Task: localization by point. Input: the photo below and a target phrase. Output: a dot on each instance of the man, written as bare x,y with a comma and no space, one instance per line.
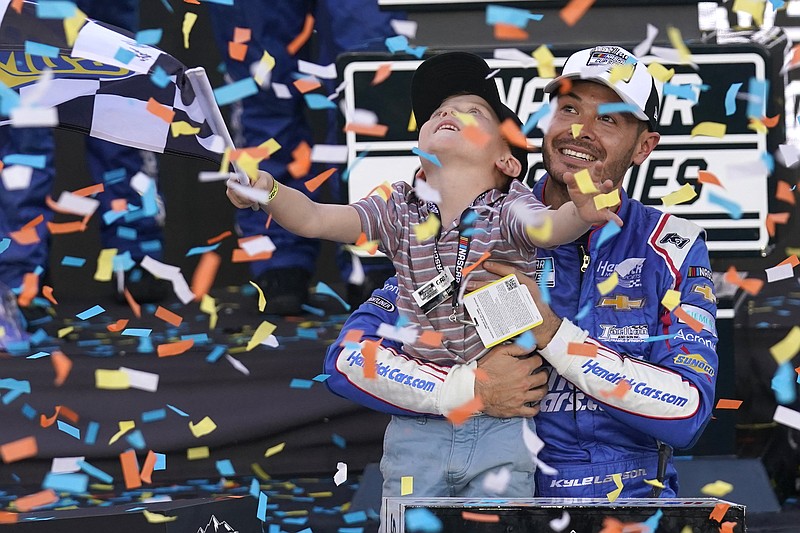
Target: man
650,384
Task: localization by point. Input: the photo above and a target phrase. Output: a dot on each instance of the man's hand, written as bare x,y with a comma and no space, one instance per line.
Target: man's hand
512,384
584,202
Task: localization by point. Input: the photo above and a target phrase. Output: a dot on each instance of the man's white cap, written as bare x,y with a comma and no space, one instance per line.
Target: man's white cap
638,88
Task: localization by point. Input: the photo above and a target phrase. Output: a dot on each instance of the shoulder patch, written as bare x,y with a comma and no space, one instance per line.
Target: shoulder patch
672,239
381,302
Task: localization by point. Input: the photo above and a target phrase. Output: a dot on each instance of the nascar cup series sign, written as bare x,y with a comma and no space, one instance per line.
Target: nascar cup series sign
737,159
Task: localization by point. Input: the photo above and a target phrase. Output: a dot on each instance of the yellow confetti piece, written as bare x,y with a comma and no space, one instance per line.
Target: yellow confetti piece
465,118
545,62
406,485
182,128
226,161
263,331
72,26
608,284
111,379
204,427
682,195
188,23
620,73
105,264
655,483
101,487
429,228
124,427
709,129
614,494
754,8
262,300
788,347
200,452
325,494
676,40
278,448
585,182
718,489
155,518
671,299
412,122
789,251
265,66
208,305
609,199
63,332
687,529
258,471
660,72
271,145
576,130
249,165
541,233
757,126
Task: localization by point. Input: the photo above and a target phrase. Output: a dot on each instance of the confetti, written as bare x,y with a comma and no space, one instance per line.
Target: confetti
406,485
709,129
18,450
168,316
608,285
787,348
574,11
682,195
263,331
460,414
671,299
728,404
278,448
156,518
614,494
480,517
582,348
609,199
204,427
174,348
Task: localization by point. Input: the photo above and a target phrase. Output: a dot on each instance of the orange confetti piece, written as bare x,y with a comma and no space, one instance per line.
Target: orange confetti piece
719,511
727,527
119,205
619,391
147,468
352,336
460,414
133,304
90,190
775,218
63,228
301,39
168,316
582,348
240,256
62,366
431,338
205,274
784,192
237,51
792,260
369,350
480,517
34,222
174,348
8,518
728,404
691,322
17,5
220,237
513,134
61,410
465,272
25,236
242,35
705,177
20,449
564,86
256,152
130,470
362,239
476,136
381,74
509,32
750,285
32,501
306,85
314,183
193,2
30,288
119,325
771,122
47,292
574,11
301,161
161,111
371,130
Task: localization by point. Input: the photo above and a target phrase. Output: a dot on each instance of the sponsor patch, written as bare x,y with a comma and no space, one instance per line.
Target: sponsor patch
541,264
699,272
707,291
698,313
690,336
631,333
629,271
381,302
696,362
674,239
620,302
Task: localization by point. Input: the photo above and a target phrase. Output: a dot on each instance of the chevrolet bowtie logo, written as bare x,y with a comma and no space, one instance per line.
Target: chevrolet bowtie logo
706,291
620,302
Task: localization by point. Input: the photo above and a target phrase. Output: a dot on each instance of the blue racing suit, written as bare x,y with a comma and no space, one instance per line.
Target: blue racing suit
592,428
110,164
341,25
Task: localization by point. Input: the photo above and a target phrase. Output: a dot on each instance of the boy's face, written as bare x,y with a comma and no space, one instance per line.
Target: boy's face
615,139
443,132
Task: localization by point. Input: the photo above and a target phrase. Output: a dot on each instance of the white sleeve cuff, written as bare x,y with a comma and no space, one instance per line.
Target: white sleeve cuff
556,351
458,388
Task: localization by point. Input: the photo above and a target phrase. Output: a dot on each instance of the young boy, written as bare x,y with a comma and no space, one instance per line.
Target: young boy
482,208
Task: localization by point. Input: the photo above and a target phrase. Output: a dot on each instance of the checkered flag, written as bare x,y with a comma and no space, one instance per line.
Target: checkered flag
107,85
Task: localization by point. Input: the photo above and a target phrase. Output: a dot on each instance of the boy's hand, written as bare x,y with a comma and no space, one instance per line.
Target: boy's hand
584,202
243,198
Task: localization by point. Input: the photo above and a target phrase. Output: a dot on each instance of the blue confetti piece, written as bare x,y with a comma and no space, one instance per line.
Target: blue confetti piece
113,176
730,98
69,429
395,44
360,157
298,521
350,530
154,415
776,4
168,6
91,312
274,528
29,412
318,101
124,55
682,92
136,332
526,340
199,250
298,383
339,441
136,439
220,2
38,355
322,288
149,37
161,462
616,107
319,378
416,51
55,9
355,516
150,246
33,161
129,234
430,157
583,311
769,161
71,261
757,101
543,288
733,209
652,522
421,519
655,338
145,345
91,433
160,78
509,15
180,412
254,488
225,467
123,262
534,119
4,244
783,384
609,230
215,354
313,310
33,48
307,333
109,217
198,338
261,512
227,94
95,472
67,482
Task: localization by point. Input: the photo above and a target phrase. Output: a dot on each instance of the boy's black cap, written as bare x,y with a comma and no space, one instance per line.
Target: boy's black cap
444,75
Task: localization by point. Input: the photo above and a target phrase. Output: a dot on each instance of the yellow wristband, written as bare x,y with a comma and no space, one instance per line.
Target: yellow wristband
274,192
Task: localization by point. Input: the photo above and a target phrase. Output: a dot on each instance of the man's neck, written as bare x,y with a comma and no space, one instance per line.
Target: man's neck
555,193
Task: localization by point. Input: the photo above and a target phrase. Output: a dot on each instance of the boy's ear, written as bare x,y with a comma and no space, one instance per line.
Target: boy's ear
509,165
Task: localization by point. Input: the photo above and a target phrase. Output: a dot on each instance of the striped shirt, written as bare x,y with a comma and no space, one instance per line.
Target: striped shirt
498,229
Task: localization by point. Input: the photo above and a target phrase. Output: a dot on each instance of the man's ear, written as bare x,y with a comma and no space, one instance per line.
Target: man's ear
420,174
509,165
647,142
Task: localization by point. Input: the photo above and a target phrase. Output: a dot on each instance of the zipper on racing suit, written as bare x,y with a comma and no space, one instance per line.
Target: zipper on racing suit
585,260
